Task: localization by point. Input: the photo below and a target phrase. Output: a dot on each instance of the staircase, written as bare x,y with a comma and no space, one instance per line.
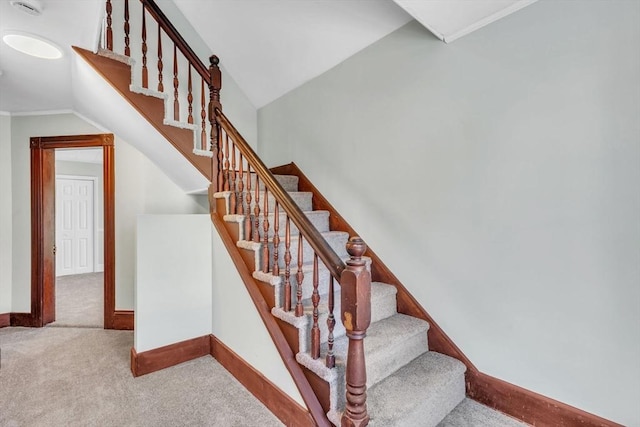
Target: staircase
408,385
298,255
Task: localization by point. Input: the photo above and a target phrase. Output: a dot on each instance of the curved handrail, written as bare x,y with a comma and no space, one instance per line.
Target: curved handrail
328,256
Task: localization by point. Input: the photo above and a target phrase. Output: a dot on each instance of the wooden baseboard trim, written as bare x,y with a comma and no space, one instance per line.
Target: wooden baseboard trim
169,355
123,320
23,319
528,406
290,412
5,320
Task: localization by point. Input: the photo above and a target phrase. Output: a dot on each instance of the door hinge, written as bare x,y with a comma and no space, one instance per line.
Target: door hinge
54,249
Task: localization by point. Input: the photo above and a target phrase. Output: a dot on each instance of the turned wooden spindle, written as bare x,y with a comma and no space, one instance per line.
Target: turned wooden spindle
276,240
145,71
160,65
203,118
247,221
331,323
176,83
233,199
287,265
127,50
299,279
315,299
226,164
355,282
109,10
265,233
240,187
189,98
256,213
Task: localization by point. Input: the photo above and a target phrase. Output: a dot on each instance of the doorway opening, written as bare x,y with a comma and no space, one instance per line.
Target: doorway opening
43,241
79,237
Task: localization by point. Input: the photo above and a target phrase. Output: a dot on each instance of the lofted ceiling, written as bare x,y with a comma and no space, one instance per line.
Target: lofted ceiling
269,46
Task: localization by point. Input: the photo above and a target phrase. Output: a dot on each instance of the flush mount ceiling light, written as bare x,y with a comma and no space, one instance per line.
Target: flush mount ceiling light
32,7
32,45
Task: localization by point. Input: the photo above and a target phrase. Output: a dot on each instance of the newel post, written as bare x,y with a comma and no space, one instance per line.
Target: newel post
215,84
355,283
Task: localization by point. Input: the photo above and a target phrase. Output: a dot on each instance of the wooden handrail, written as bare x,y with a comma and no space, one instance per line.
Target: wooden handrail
328,256
177,39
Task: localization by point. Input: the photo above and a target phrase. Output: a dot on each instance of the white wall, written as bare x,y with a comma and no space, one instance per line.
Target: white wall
497,177
64,167
140,188
5,213
173,279
235,103
238,325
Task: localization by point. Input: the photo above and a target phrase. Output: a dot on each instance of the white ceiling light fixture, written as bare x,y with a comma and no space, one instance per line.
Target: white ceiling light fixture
32,7
32,44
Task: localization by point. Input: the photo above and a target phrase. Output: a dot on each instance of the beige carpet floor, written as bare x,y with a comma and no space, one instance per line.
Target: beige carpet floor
80,300
81,377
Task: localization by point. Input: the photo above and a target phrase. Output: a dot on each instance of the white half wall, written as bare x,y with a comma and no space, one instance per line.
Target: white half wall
238,325
173,279
497,177
5,214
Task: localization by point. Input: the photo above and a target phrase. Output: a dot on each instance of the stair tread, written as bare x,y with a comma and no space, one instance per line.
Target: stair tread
471,413
423,391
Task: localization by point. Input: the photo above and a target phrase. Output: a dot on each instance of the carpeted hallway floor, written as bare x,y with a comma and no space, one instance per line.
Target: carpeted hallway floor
80,300
81,377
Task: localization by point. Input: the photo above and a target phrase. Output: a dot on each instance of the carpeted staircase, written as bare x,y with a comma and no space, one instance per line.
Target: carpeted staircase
408,385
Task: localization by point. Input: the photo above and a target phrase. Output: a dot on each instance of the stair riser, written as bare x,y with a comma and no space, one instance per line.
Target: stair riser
381,308
337,241
319,219
303,200
288,182
382,364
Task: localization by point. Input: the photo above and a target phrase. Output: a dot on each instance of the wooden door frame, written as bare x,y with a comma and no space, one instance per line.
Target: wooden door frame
121,319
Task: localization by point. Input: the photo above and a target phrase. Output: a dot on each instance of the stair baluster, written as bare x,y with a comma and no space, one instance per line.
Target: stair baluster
145,72
247,220
265,231
127,50
240,185
231,178
315,299
355,283
287,265
276,239
256,214
226,163
176,83
203,118
299,278
189,98
109,11
160,65
331,323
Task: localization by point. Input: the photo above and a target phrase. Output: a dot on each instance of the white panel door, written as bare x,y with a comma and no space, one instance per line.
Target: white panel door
74,226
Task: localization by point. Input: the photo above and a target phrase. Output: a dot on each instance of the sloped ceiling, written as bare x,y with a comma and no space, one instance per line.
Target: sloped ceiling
269,46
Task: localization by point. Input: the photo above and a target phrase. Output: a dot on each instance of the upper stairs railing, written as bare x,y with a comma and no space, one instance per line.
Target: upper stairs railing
237,172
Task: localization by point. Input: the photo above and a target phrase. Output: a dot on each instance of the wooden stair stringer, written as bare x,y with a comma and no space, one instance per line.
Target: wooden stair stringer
281,337
118,75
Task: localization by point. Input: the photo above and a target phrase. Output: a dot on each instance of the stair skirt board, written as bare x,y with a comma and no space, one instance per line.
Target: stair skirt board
405,362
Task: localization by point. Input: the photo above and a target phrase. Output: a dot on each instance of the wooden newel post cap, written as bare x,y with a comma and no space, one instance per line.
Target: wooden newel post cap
356,247
355,282
214,60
